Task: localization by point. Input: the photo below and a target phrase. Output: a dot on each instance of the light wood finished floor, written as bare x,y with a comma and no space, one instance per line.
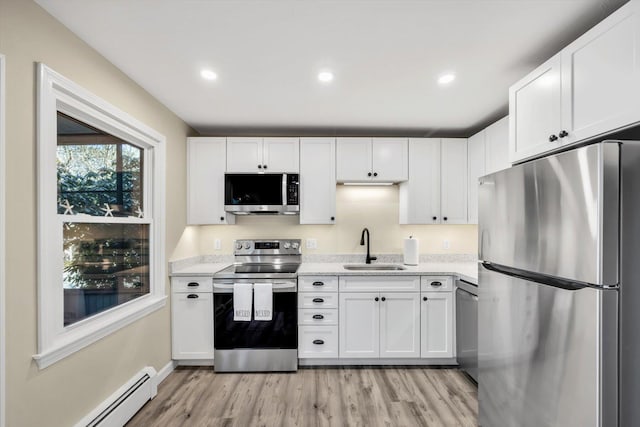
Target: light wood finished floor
365,397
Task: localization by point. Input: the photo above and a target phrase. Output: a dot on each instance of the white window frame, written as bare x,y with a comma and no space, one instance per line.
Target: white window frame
57,93
2,244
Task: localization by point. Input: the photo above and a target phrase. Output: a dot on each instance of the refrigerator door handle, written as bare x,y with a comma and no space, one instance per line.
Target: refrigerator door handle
543,279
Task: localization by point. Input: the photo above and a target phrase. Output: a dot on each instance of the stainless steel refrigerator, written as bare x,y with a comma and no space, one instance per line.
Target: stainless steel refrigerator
559,290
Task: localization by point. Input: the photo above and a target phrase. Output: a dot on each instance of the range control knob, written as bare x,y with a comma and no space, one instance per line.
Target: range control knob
238,245
295,245
247,245
286,245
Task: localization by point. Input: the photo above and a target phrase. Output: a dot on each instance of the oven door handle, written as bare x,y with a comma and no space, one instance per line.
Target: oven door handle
227,288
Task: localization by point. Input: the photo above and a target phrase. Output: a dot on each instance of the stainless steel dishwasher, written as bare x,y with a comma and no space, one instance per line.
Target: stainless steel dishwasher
467,327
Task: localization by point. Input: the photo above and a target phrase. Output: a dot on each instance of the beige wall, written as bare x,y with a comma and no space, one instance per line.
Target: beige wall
63,393
356,207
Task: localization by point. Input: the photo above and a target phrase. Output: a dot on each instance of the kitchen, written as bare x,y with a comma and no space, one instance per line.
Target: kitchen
72,387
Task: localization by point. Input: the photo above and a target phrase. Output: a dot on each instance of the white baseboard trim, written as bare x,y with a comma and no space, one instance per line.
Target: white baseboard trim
165,371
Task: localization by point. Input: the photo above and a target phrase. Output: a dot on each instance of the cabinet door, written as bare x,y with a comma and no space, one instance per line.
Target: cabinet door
192,325
436,327
420,196
453,196
476,169
317,180
390,161
601,76
359,324
281,155
206,160
535,105
399,324
497,146
244,154
353,159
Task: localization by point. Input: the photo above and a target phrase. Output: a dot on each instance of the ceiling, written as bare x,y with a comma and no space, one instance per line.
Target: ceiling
386,56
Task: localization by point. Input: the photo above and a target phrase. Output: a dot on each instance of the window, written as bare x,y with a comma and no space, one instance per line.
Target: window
101,193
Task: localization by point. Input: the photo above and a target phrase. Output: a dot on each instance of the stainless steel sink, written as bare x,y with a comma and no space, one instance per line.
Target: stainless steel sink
374,267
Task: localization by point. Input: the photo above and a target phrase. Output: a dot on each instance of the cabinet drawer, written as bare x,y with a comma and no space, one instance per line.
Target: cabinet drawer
318,300
310,316
436,283
318,283
317,342
380,283
192,284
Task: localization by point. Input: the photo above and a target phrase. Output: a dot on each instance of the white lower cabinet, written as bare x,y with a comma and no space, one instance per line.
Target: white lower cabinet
360,324
400,324
379,324
436,315
318,317
192,319
317,342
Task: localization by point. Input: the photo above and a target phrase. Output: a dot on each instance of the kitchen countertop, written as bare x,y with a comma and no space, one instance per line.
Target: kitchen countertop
467,271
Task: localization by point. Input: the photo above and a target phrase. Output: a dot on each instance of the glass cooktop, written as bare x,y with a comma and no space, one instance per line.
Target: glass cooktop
261,269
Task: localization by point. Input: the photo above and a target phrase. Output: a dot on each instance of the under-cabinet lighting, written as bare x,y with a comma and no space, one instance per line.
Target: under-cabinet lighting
368,183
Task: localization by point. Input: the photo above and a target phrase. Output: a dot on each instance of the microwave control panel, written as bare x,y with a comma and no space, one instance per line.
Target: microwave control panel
292,188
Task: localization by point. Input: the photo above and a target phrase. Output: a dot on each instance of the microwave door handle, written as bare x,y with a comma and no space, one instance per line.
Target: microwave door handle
284,189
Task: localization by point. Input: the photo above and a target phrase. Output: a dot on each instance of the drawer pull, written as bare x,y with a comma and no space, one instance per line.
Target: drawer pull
192,296
318,283
318,342
193,284
436,284
318,300
318,316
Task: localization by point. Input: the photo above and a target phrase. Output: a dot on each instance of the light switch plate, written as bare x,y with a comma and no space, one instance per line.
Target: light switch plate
312,244
446,244
217,244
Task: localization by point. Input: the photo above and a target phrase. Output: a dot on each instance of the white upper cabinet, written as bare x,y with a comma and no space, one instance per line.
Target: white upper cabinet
497,146
206,159
453,194
390,159
317,180
281,154
249,154
601,76
535,106
372,159
420,195
476,161
590,88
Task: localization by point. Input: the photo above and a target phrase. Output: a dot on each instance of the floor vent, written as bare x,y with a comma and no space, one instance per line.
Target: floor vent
124,403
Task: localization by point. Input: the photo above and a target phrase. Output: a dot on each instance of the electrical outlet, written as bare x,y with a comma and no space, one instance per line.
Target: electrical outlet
312,244
217,244
446,244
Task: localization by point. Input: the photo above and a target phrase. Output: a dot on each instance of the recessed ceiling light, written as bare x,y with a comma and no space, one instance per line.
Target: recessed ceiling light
325,76
445,79
208,75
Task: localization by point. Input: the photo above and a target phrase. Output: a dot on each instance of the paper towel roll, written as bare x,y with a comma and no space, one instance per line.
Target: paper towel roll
411,251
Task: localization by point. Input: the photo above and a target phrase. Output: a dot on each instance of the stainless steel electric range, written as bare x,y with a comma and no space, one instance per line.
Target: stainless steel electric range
258,345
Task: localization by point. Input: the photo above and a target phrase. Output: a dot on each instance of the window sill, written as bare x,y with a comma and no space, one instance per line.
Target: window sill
93,331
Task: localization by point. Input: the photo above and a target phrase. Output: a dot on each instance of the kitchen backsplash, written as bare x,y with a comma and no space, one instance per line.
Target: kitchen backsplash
357,207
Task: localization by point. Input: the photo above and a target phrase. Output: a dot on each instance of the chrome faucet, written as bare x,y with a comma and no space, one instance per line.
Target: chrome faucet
369,257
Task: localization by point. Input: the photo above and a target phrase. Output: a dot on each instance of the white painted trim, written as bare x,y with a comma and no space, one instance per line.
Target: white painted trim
165,371
115,395
57,93
199,362
2,244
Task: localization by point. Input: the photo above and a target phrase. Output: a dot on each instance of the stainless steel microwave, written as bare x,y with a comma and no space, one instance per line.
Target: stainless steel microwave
262,193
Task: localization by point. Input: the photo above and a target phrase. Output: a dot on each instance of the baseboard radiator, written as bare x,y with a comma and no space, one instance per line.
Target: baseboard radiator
118,408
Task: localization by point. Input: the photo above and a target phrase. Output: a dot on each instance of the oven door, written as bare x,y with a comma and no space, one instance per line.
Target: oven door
279,333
